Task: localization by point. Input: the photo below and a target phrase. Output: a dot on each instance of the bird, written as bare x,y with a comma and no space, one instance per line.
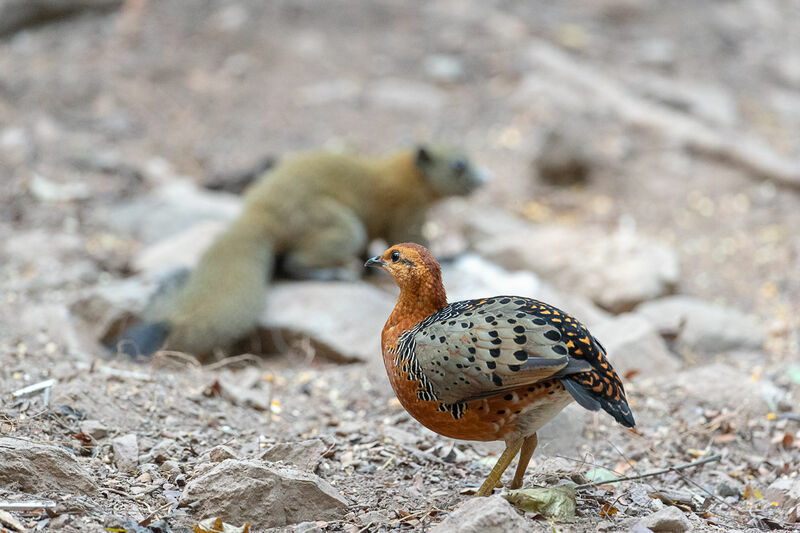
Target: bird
488,369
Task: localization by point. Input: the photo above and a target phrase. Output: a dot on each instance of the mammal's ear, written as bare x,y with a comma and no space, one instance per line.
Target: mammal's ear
423,156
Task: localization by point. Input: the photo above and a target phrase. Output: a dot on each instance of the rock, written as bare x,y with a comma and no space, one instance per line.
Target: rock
374,518
220,453
244,388
126,452
400,436
564,158
46,190
181,250
701,328
328,323
633,343
483,515
32,468
101,312
405,95
719,384
616,271
305,455
16,144
784,490
472,276
94,428
309,527
169,210
669,520
263,494
444,68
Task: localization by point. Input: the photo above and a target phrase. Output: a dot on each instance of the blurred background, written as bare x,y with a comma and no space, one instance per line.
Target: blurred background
646,163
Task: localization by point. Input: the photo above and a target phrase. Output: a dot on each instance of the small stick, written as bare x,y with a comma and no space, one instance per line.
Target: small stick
27,505
120,373
36,387
233,360
710,459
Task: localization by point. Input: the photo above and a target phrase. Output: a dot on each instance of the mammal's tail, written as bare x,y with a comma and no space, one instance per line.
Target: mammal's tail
220,303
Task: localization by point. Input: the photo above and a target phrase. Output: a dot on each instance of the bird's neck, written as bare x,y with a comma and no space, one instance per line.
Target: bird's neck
416,302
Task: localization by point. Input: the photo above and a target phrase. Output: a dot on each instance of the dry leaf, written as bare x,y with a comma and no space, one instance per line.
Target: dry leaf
750,493
554,503
216,525
607,510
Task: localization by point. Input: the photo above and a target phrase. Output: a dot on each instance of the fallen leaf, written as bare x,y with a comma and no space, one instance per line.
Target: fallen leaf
607,510
216,525
554,503
751,493
599,475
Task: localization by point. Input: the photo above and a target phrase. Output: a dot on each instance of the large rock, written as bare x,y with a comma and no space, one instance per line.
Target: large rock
617,271
720,385
702,328
170,210
126,452
668,520
37,468
305,454
182,250
263,494
483,515
785,491
343,320
472,276
633,344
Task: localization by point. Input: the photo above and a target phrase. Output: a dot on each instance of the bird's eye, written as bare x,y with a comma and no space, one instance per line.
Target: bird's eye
395,256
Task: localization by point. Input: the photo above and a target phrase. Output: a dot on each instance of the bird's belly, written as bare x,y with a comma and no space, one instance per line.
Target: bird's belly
520,412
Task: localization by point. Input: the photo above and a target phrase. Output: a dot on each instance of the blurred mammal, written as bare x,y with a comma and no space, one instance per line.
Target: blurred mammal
312,216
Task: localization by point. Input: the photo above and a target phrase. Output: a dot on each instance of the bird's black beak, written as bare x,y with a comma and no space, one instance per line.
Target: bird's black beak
375,262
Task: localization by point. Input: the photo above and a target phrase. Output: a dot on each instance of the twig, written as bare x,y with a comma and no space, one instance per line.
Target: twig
149,518
710,459
36,387
27,505
233,360
164,355
120,373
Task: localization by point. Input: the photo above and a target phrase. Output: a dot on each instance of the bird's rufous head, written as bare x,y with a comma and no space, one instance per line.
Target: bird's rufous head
412,266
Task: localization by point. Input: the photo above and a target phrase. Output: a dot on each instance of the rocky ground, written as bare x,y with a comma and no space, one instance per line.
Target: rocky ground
646,178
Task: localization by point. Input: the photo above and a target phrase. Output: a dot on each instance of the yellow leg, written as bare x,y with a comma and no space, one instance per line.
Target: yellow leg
528,446
502,463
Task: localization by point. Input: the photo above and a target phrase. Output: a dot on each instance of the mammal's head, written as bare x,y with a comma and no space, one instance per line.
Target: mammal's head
448,171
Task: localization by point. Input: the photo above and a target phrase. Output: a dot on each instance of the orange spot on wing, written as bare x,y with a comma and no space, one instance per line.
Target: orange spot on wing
585,340
570,344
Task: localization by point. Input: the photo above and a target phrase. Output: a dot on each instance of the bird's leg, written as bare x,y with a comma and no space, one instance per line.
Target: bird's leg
528,446
505,459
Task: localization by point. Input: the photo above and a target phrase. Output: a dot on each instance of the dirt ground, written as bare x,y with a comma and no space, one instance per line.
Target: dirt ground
101,108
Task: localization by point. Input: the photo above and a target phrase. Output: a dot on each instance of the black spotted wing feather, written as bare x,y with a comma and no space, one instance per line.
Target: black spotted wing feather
478,348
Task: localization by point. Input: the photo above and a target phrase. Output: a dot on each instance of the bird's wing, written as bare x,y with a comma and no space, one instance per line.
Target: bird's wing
478,348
